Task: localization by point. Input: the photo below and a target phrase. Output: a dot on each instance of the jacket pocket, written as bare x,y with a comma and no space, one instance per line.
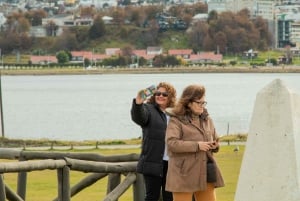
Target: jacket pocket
185,165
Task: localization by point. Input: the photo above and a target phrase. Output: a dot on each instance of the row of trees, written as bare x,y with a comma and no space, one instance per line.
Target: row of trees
226,32
64,57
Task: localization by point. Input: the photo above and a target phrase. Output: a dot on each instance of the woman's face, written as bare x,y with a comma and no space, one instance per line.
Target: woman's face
197,106
161,97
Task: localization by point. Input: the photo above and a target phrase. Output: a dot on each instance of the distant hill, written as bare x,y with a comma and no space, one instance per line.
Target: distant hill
120,37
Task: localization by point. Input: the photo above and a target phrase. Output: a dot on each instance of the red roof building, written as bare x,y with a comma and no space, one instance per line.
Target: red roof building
205,57
183,53
43,59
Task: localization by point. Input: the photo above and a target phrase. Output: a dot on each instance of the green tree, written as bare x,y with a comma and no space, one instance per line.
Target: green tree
62,57
97,30
212,16
87,62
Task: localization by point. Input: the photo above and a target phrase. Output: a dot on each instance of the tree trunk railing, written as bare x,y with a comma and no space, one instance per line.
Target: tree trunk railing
100,166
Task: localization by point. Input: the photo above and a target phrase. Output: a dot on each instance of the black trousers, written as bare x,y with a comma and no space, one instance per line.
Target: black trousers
156,186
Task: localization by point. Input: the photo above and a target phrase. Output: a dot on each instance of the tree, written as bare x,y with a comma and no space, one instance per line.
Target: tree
62,57
51,28
158,61
197,35
150,37
208,44
239,40
118,16
81,34
220,41
66,41
212,16
97,30
127,51
35,17
266,38
86,62
87,12
17,23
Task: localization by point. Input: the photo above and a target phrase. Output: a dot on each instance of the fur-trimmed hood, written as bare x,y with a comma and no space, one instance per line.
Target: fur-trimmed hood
185,118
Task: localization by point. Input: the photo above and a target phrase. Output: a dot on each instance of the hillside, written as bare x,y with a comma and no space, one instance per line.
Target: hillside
116,36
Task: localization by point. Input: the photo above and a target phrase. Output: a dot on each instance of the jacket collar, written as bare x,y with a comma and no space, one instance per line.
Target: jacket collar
185,118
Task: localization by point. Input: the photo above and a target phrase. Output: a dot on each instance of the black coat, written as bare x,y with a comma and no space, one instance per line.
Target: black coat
154,123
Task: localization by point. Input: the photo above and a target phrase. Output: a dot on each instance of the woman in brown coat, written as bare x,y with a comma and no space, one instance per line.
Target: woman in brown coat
191,140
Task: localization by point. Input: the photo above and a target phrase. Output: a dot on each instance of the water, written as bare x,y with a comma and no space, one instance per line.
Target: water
97,107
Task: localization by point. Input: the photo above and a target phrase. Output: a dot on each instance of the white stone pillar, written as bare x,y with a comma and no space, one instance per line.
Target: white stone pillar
270,168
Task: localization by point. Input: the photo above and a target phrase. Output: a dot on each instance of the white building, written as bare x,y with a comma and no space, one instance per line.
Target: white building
2,19
99,3
220,5
263,8
295,33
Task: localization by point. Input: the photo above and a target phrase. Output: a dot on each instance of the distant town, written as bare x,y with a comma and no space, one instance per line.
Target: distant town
30,21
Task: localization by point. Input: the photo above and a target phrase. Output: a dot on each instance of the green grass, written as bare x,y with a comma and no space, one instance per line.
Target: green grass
42,185
229,163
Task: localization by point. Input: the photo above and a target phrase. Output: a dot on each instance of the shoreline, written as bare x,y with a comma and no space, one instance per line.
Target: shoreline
80,71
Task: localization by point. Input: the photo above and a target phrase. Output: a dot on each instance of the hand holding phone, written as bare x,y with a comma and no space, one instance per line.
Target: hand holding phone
149,91
215,144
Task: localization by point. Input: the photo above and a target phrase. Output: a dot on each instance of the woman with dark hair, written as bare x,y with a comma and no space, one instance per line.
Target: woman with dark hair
191,140
150,115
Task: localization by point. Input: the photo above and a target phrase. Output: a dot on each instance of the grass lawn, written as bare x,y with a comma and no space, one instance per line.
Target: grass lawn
42,185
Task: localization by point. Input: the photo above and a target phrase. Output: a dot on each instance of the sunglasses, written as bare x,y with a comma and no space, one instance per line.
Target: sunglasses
164,94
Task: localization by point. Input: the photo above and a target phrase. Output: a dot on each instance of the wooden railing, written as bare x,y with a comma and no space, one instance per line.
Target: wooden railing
100,166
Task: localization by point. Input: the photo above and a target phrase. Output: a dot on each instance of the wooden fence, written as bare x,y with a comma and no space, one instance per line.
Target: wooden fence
100,166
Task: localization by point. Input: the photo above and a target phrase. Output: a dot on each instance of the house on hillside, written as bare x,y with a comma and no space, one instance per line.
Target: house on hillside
250,54
80,56
154,50
205,57
143,53
107,19
199,17
113,51
43,60
181,53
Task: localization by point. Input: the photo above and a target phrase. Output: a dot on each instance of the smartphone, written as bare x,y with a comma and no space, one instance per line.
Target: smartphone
149,91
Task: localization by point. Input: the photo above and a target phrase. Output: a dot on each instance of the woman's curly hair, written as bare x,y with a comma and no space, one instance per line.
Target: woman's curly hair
171,93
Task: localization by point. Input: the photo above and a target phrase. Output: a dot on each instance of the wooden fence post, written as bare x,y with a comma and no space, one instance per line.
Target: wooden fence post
120,189
2,189
22,182
114,180
138,188
63,175
98,164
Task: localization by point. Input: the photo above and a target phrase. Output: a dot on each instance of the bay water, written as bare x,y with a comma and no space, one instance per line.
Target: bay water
97,107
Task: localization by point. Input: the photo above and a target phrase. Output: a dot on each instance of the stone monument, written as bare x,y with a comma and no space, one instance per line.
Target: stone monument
270,169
